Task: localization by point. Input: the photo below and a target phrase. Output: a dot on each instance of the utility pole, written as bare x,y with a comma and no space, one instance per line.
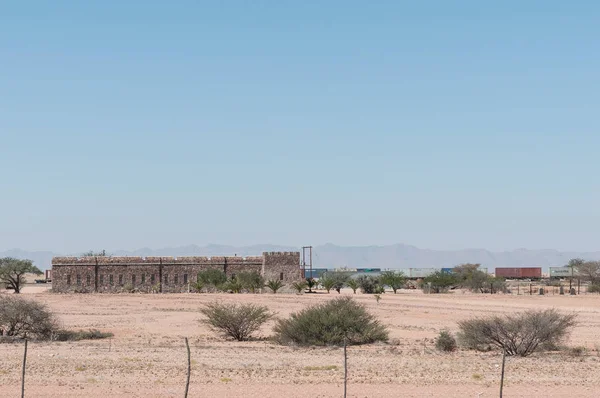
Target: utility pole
309,249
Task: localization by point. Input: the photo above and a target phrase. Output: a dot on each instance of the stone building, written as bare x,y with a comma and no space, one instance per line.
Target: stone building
163,274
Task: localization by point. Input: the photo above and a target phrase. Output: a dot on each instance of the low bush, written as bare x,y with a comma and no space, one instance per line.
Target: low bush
445,341
352,284
299,286
251,281
368,284
331,323
274,285
73,335
519,334
594,288
211,279
238,321
327,283
25,318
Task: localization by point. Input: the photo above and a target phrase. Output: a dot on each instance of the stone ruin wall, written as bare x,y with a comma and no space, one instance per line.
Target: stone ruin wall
162,274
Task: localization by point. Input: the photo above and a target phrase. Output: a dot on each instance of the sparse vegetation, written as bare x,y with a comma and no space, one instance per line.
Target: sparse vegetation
13,270
299,286
238,321
310,284
520,334
327,283
274,285
72,335
352,284
445,341
251,281
594,288
25,318
395,280
368,284
331,323
438,282
212,279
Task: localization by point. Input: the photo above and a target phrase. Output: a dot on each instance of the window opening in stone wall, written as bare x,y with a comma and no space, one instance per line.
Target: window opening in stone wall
110,279
88,280
143,278
78,280
68,280
121,279
176,279
166,279
281,276
102,279
152,279
133,280
185,280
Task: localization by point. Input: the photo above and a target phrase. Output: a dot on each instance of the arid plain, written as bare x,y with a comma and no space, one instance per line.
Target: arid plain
147,355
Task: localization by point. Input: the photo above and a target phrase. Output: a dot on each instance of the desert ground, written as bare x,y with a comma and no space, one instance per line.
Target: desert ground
147,355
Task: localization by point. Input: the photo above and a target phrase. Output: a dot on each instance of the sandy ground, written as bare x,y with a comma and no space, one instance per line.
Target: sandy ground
147,356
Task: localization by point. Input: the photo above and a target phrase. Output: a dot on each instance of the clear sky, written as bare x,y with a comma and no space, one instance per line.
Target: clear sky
443,124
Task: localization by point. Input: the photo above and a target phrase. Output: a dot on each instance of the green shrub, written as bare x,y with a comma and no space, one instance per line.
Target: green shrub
519,334
439,282
25,318
337,280
368,284
251,281
274,285
233,285
445,341
238,321
211,279
395,280
331,323
594,288
299,286
310,283
352,284
327,283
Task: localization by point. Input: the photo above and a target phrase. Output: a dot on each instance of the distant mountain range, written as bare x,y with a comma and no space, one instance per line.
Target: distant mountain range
331,256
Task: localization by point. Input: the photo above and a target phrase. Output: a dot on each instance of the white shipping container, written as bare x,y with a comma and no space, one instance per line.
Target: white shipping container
561,272
422,272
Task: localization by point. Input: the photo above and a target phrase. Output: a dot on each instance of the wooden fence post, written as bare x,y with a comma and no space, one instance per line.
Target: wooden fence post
23,374
502,376
345,368
189,368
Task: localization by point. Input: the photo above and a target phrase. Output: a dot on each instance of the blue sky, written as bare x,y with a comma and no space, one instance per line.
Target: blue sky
446,125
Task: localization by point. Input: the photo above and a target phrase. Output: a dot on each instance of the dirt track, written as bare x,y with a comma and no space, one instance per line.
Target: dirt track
146,358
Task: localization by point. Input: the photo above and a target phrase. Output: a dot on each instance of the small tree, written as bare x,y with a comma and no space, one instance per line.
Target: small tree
368,284
310,283
440,282
395,280
251,281
274,285
212,279
13,270
24,318
299,286
589,270
339,278
238,321
331,323
519,334
327,283
352,284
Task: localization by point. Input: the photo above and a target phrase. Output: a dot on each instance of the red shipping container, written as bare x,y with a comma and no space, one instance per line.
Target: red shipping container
514,272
